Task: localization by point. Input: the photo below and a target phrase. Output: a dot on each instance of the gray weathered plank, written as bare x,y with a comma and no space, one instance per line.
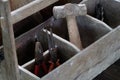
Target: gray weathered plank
29,9
18,3
91,61
11,65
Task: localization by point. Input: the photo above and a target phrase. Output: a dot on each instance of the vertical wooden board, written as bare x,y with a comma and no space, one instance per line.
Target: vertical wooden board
11,66
91,61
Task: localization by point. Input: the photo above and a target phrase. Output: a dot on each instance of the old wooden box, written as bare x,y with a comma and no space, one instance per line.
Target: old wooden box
100,42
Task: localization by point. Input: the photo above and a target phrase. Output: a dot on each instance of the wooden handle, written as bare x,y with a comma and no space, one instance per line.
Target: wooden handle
74,35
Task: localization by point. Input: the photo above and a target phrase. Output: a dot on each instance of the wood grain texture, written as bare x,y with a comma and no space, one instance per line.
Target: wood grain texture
29,9
73,31
91,61
18,3
10,69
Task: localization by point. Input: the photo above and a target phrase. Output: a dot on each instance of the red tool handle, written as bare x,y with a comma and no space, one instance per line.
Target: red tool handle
44,67
58,63
51,67
36,70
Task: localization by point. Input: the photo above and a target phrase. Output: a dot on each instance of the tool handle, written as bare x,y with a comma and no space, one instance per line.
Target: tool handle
74,35
44,67
58,63
51,67
36,70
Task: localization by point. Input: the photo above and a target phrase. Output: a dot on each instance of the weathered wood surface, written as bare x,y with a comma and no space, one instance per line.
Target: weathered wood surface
10,69
29,9
24,74
91,29
74,35
88,23
14,4
112,73
91,61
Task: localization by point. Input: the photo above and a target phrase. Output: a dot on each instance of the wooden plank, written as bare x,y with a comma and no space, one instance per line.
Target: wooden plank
29,9
18,3
91,61
10,69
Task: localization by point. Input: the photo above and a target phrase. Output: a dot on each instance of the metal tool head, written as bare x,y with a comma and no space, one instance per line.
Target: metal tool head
38,50
52,46
69,10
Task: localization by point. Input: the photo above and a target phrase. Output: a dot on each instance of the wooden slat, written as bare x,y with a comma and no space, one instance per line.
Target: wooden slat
10,69
29,9
18,3
91,61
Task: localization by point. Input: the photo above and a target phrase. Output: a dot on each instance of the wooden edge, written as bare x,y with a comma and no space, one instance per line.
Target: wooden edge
29,9
101,67
11,65
91,61
27,75
98,21
28,64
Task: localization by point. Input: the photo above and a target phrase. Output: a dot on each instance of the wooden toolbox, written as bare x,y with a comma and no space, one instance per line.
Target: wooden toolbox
100,42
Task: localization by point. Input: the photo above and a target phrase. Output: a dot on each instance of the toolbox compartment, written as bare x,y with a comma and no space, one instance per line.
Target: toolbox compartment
88,30
88,26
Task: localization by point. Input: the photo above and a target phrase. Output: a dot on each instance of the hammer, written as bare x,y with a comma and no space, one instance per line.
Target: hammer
70,11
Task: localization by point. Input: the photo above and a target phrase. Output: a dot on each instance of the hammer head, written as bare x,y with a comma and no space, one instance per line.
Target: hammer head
69,10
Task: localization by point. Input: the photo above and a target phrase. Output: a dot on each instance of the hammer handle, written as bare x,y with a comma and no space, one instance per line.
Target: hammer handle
74,35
